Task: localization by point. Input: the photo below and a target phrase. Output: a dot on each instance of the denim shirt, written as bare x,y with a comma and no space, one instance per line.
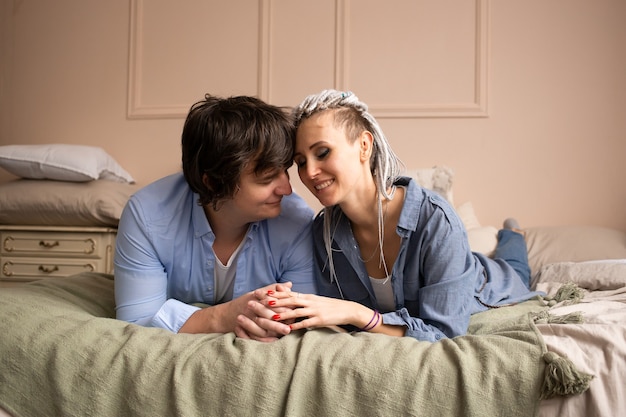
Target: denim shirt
437,281
164,260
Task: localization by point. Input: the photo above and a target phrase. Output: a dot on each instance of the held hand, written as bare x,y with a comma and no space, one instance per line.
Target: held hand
317,311
236,316
256,322
270,290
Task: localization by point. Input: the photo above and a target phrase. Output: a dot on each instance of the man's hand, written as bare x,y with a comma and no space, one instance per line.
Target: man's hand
259,322
237,316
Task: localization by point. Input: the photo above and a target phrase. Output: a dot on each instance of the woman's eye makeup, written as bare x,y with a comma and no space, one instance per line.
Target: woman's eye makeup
322,153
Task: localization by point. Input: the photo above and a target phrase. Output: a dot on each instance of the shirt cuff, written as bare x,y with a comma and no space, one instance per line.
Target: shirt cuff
414,327
172,315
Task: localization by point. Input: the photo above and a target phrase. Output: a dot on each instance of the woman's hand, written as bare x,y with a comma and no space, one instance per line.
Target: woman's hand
314,310
257,324
303,311
236,316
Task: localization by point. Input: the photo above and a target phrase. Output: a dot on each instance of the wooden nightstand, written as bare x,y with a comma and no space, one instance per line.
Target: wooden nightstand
34,252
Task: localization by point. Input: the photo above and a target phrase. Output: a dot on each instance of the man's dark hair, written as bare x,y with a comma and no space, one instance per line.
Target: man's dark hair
223,136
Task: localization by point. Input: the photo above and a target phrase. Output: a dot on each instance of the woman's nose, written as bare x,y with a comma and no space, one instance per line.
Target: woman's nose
311,170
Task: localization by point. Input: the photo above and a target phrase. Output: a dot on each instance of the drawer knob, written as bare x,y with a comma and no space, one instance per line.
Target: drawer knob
48,245
8,246
6,269
47,270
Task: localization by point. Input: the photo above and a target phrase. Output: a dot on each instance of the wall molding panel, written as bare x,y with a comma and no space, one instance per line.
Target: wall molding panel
173,53
414,59
137,108
392,103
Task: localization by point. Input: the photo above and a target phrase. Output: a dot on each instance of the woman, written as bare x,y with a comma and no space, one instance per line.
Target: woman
225,226
392,257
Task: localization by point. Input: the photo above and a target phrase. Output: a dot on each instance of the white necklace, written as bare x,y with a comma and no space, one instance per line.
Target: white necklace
376,249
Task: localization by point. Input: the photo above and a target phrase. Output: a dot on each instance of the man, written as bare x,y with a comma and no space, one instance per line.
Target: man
225,226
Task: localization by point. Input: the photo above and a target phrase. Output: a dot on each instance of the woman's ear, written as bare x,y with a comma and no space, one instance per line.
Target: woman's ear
366,143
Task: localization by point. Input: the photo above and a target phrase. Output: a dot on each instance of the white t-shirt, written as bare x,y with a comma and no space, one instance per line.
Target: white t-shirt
384,293
225,276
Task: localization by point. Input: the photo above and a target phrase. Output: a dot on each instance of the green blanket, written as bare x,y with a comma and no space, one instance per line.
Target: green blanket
63,353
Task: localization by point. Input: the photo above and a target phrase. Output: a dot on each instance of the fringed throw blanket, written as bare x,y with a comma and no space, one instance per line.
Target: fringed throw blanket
63,353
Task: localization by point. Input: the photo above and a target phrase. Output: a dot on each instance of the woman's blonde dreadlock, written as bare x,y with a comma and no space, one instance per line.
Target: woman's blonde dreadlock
386,166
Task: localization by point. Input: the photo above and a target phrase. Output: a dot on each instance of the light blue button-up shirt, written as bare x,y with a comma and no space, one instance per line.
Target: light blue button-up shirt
437,281
164,259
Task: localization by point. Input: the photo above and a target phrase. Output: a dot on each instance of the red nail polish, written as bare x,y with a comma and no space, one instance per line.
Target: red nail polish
270,292
290,327
272,303
276,317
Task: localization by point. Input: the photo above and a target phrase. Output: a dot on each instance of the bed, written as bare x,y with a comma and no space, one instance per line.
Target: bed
62,352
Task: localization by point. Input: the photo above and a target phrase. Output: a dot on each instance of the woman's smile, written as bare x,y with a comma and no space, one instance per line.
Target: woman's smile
323,185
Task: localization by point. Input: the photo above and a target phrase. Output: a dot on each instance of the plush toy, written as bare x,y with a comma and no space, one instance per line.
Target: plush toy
438,179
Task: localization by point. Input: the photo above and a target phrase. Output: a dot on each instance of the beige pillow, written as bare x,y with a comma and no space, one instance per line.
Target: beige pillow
60,203
591,275
547,245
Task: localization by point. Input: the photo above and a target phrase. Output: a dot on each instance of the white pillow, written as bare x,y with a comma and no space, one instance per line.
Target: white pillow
482,239
61,162
467,215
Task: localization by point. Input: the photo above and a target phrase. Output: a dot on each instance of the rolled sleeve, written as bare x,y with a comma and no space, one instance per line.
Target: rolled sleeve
173,315
415,327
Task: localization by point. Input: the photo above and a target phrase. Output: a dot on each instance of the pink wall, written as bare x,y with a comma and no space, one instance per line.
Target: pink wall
548,148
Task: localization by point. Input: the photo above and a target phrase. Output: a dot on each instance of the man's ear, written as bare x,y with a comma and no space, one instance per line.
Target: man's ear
206,182
366,143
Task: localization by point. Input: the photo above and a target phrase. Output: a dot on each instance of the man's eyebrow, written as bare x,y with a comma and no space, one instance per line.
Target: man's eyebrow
268,173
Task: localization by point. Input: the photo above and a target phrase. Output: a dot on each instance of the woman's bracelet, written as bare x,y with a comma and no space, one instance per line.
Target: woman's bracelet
369,326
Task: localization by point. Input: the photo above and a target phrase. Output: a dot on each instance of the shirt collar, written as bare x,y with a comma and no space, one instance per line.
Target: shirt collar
413,199
200,222
201,225
409,215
